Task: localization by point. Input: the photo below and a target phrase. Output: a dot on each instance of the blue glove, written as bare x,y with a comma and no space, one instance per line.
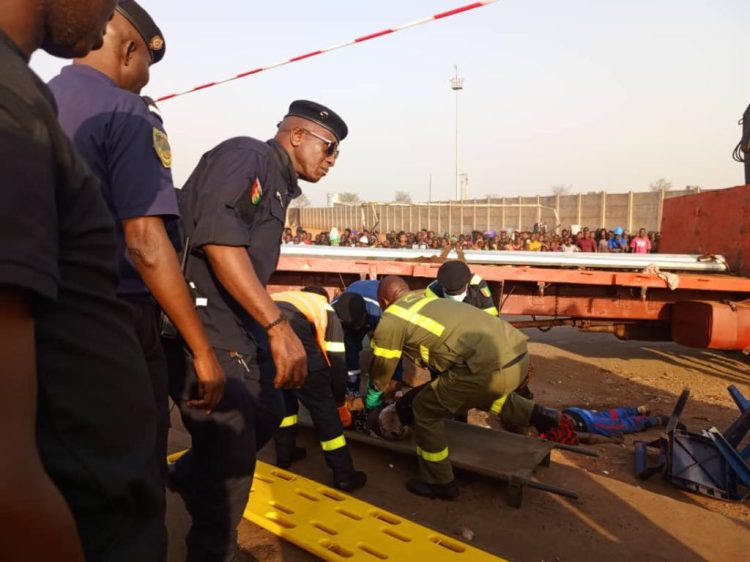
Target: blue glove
373,398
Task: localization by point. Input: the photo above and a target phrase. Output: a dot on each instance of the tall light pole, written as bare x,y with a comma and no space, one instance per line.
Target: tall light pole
457,84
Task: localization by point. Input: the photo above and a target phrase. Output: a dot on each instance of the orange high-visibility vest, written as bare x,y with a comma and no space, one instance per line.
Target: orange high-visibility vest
315,308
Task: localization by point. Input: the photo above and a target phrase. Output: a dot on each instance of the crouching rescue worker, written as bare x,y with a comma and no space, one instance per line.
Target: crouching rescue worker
358,309
482,360
324,392
456,281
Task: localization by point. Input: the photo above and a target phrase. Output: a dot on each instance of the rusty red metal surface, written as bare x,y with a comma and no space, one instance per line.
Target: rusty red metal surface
710,222
635,305
714,325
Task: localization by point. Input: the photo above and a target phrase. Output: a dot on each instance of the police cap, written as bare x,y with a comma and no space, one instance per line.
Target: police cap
145,26
351,310
453,276
321,115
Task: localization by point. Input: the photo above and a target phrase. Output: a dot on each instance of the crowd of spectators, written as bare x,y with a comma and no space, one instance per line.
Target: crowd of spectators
537,240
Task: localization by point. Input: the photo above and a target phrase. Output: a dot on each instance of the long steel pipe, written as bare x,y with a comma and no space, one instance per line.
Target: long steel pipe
665,262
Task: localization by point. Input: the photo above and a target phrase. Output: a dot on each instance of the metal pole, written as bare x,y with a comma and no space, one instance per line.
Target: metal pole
457,84
429,190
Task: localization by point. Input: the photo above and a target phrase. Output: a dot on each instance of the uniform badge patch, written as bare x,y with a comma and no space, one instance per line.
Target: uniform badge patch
486,292
256,192
162,148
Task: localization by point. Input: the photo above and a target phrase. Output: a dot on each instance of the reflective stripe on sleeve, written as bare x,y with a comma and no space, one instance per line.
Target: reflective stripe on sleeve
476,280
354,373
335,347
497,405
385,353
333,444
425,354
289,421
491,311
433,457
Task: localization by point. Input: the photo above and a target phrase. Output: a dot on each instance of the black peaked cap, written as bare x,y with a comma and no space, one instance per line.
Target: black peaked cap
321,115
145,26
453,276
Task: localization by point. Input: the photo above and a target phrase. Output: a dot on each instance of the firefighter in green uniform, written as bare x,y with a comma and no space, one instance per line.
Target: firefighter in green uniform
482,360
455,281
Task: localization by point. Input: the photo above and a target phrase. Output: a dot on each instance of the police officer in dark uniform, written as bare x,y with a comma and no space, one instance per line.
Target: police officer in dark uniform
455,281
123,140
233,211
76,428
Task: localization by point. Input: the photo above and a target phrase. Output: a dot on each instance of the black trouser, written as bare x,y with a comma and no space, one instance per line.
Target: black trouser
216,474
317,396
146,320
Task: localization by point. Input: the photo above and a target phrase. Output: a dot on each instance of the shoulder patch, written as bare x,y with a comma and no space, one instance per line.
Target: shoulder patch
162,148
256,192
486,291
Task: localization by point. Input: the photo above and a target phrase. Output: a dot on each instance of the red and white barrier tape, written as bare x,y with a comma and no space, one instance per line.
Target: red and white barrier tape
362,39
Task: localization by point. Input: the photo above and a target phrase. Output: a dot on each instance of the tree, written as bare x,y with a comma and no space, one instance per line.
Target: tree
348,197
403,197
562,189
661,185
300,202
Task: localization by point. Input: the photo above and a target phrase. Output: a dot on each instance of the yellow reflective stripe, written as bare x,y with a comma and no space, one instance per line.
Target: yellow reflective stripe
399,311
428,324
425,353
385,353
498,404
476,280
429,292
289,421
491,310
417,306
335,346
433,457
333,444
411,315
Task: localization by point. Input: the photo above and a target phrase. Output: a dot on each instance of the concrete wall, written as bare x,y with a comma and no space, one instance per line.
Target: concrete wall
628,210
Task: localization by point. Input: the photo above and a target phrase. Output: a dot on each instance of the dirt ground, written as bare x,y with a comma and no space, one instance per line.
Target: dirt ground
617,516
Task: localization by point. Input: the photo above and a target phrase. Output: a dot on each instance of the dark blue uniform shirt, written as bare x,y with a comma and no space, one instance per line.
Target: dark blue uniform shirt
94,411
236,196
125,145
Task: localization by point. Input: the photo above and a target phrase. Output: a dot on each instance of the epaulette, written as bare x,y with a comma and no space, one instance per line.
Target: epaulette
152,107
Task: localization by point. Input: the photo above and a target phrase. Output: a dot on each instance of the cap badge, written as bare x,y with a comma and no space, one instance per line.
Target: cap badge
157,43
324,115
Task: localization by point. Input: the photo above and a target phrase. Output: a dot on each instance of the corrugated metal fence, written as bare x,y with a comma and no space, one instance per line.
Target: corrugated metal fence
631,211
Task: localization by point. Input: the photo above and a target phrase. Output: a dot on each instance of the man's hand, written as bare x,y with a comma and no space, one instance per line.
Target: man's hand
211,381
289,357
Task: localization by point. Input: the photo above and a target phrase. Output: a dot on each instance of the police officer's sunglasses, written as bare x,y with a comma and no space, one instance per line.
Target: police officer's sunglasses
332,147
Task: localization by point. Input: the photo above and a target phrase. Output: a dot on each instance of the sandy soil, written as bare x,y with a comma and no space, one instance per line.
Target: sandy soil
616,518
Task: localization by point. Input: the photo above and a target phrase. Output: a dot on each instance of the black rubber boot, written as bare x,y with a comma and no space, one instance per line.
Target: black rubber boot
354,481
447,491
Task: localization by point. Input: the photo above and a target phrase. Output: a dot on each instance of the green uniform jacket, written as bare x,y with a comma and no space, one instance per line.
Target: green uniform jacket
442,334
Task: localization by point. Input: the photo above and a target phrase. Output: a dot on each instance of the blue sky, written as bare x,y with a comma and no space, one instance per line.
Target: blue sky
602,95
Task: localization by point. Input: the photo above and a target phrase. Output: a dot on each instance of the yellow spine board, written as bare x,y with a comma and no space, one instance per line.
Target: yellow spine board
335,526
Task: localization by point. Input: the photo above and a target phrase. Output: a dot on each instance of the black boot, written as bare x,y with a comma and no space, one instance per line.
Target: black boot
352,482
298,453
447,491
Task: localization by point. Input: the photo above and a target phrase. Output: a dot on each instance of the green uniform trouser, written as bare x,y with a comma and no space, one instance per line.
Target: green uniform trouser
459,390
